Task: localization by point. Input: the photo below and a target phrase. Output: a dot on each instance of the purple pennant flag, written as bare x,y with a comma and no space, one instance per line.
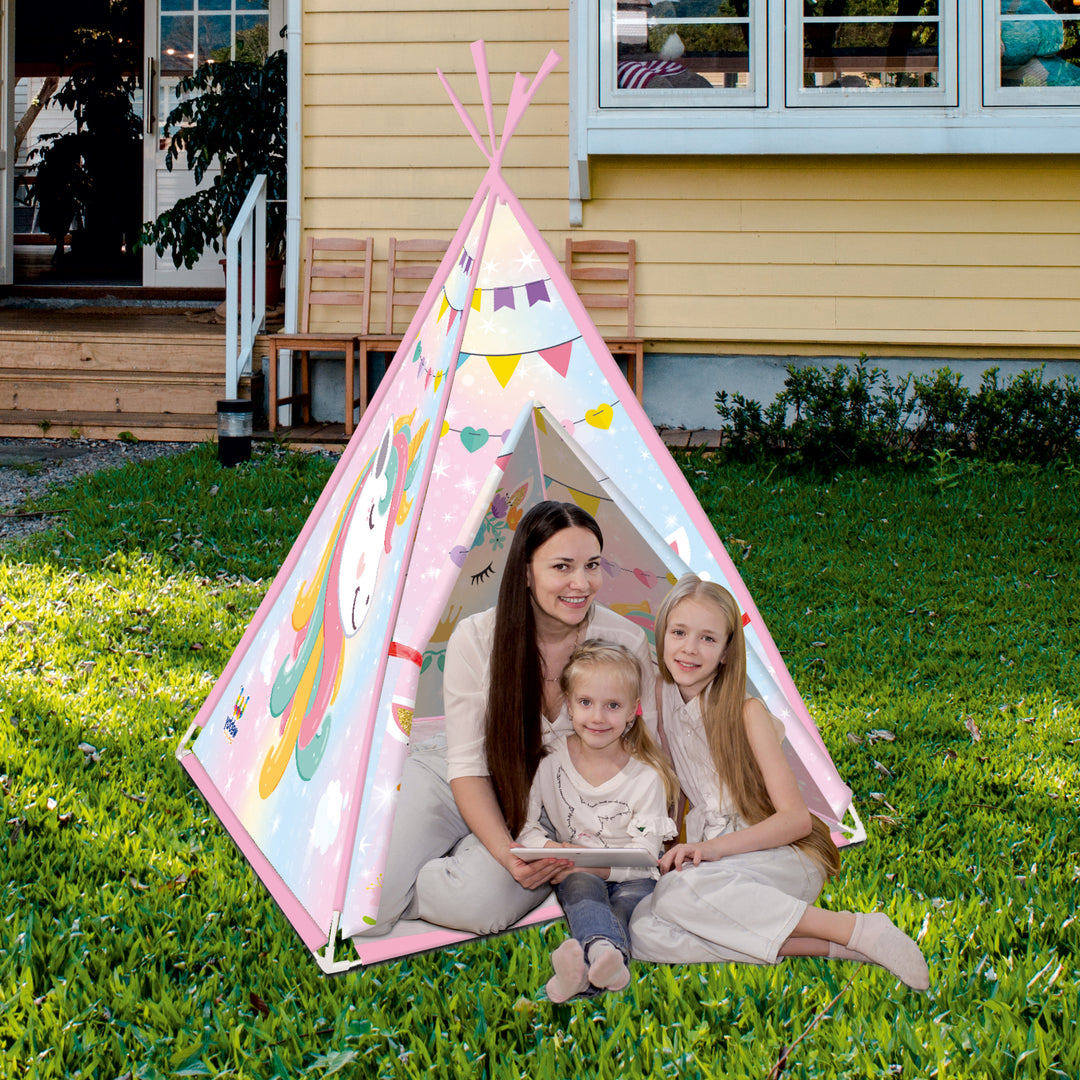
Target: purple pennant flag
504,296
464,256
536,291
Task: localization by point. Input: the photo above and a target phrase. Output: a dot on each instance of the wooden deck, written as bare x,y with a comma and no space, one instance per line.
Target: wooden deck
97,371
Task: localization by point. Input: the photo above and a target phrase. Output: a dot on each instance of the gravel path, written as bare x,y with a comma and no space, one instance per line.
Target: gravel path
30,467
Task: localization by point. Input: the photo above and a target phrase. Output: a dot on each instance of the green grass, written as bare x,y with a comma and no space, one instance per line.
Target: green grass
135,941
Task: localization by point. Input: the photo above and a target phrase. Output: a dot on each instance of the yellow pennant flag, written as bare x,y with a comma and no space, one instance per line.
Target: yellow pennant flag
443,306
587,502
476,303
503,367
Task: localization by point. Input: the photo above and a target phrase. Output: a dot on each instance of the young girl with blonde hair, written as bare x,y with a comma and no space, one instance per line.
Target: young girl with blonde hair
743,886
606,785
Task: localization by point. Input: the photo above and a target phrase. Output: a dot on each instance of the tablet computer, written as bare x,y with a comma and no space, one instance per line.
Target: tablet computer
589,856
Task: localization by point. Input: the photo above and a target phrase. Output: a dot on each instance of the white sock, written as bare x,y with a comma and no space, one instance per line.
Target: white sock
876,939
568,961
607,969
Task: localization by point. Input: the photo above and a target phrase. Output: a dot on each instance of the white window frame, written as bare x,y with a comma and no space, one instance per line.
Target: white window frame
1024,96
944,94
979,117
755,96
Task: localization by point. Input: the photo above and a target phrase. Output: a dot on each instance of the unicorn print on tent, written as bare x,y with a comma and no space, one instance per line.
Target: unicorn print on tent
502,394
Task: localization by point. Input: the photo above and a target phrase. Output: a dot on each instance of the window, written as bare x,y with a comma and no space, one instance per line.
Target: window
1038,54
823,76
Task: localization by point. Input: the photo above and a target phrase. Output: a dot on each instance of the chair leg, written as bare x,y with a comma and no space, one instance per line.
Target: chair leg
273,394
350,396
363,377
639,372
305,386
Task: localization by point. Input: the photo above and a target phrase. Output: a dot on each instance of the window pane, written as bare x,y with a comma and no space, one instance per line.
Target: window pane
1040,43
252,37
252,5
215,5
683,44
215,38
873,44
177,44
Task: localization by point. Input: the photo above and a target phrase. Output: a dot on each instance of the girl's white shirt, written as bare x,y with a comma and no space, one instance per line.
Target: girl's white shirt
466,677
712,813
627,810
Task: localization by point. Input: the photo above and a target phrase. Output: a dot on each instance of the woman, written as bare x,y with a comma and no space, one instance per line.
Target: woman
462,801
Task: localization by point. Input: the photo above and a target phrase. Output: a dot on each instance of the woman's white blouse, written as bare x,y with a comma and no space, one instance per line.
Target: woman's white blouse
467,672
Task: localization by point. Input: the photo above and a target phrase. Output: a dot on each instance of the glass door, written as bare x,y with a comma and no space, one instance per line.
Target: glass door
181,35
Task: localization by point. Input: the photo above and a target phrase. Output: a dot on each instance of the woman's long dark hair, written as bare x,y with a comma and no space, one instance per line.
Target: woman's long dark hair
514,740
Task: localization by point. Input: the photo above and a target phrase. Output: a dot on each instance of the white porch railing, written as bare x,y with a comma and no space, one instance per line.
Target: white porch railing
245,284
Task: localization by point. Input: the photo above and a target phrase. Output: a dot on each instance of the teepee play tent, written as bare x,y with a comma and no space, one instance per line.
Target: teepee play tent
502,394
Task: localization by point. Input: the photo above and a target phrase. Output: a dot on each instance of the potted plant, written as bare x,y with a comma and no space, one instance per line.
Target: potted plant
232,114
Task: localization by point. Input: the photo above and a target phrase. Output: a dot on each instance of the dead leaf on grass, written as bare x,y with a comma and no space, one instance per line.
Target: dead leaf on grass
259,1005
976,734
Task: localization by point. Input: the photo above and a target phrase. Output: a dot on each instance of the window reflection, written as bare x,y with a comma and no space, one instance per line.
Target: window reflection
1040,43
683,44
871,44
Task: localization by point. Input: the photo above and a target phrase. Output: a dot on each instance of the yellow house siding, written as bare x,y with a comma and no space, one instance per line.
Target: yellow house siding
384,151
919,255
934,255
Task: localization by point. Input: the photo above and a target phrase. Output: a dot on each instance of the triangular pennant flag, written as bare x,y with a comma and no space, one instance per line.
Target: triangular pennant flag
587,502
503,367
558,356
299,749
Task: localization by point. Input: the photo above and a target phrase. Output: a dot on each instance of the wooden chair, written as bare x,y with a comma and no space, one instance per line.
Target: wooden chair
410,266
602,272
337,274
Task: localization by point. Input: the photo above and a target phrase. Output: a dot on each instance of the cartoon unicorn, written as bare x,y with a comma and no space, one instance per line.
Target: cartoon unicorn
335,604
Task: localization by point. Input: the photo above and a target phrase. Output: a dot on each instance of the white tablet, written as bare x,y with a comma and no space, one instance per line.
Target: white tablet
589,856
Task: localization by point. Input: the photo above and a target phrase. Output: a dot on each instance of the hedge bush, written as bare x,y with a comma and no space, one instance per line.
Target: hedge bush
826,418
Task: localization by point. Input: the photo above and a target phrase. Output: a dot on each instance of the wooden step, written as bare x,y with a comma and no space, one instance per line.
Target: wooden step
147,427
100,371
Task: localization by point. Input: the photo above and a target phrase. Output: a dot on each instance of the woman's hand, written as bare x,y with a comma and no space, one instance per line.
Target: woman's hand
531,875
680,853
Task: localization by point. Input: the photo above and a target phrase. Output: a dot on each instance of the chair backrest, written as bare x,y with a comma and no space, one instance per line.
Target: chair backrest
602,272
337,273
410,266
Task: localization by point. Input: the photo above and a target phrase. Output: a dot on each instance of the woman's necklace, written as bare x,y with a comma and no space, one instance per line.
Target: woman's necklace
570,652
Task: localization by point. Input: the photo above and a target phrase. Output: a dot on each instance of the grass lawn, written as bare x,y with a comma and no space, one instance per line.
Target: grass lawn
930,621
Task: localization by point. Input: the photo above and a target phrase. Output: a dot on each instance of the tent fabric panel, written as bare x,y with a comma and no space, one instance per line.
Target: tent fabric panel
311,933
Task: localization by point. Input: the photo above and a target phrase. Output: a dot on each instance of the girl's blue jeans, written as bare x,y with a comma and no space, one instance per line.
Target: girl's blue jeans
600,910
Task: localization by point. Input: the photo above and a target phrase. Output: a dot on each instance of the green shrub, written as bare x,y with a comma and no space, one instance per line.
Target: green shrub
828,418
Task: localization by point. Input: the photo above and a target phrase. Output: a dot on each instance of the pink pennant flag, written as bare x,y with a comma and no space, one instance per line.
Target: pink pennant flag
558,356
